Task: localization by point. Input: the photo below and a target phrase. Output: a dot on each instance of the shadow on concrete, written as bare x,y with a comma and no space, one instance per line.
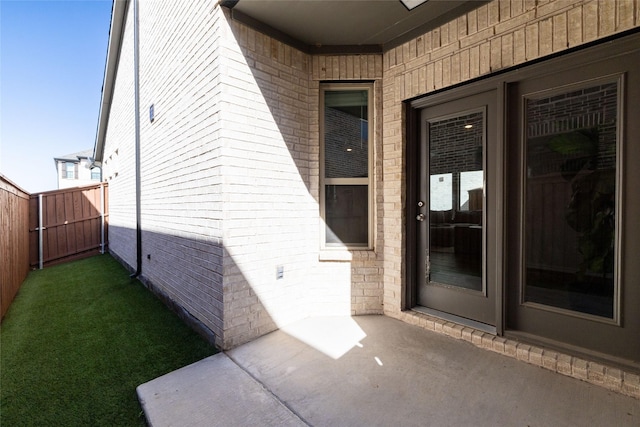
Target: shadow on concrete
187,275
398,374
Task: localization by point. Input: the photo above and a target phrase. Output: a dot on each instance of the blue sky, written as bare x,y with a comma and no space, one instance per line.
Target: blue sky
52,57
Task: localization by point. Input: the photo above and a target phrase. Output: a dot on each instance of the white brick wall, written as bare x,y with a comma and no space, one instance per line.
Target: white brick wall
180,156
229,175
180,168
118,159
230,166
271,207
272,168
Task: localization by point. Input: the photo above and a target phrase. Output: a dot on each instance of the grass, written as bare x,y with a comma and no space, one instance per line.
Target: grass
77,341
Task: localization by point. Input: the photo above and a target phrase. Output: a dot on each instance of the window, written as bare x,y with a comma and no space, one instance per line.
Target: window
95,174
70,170
345,165
570,214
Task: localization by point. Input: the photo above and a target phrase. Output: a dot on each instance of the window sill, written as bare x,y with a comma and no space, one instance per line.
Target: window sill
340,254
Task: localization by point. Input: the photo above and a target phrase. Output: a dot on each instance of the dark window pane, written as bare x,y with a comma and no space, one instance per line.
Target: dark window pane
570,200
346,134
346,214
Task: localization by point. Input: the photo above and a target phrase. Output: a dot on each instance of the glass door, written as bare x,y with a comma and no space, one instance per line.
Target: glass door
570,199
453,217
568,282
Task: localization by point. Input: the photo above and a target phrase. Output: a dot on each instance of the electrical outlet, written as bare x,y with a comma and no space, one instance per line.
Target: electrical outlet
279,272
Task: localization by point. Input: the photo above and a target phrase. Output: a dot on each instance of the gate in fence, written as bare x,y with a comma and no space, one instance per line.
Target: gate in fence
68,224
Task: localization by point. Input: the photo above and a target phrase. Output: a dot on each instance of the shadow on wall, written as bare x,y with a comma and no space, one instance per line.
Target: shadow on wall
261,271
186,274
286,93
277,82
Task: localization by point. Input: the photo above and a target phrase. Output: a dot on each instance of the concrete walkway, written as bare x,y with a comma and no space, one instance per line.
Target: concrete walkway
374,371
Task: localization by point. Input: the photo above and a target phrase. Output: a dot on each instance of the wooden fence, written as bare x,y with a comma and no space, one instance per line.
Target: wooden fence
68,224
14,241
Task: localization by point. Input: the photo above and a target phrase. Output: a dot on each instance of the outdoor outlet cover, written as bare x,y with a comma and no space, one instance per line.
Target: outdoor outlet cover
279,272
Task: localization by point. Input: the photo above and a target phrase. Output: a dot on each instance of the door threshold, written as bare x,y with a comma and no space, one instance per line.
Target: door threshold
457,319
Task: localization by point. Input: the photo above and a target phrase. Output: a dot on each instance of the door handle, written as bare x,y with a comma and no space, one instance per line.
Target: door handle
420,217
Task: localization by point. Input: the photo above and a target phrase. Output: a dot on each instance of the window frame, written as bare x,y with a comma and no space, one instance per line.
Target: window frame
553,90
65,170
95,176
368,181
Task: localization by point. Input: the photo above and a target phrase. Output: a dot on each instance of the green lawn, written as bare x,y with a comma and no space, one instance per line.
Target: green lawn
77,341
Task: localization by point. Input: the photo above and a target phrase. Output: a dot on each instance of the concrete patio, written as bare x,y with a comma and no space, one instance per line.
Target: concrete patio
374,370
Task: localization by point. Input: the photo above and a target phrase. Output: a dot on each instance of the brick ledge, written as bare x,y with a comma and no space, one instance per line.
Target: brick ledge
610,378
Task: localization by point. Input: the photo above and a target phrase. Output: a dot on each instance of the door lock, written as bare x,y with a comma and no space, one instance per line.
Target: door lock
420,217
420,204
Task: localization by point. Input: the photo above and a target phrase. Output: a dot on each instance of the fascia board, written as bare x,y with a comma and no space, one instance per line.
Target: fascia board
116,32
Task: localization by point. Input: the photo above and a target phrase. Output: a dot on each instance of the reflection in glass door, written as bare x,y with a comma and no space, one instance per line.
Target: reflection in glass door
458,140
456,176
570,205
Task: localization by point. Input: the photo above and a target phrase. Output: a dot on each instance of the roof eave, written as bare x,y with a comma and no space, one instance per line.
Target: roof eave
116,31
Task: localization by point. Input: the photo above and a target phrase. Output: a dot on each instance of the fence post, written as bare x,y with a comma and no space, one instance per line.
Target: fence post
40,234
101,218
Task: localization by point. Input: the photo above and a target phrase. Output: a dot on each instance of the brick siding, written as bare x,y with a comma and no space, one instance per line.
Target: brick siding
118,160
272,215
611,378
180,169
495,36
230,165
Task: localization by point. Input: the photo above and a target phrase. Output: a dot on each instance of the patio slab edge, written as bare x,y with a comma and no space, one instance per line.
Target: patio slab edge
213,391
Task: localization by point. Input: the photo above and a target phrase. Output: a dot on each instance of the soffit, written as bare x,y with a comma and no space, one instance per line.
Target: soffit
383,23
